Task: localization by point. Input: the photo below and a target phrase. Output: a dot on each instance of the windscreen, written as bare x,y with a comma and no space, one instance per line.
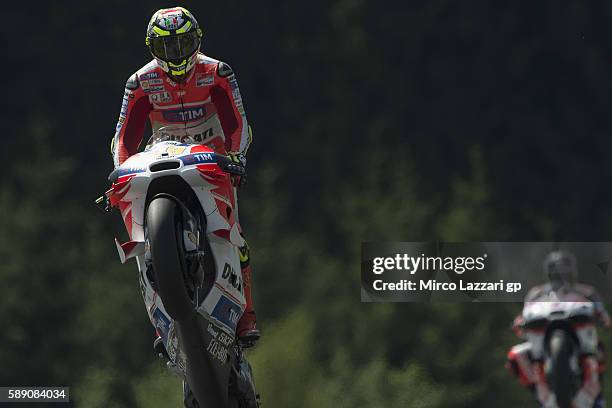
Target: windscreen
175,134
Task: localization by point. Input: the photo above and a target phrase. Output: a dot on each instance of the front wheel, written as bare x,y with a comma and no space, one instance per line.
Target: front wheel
162,221
561,375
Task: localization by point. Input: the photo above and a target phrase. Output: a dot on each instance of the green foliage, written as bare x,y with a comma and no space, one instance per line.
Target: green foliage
33,288
286,375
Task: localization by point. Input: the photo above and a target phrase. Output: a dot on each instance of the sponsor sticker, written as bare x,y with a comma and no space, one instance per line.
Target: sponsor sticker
204,79
130,170
153,89
203,157
217,351
162,324
199,137
160,97
156,81
178,67
227,312
240,108
218,346
233,278
235,91
124,107
184,115
197,158
150,75
175,150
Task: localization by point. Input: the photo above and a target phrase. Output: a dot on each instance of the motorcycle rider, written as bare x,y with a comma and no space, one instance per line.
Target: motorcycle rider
182,86
561,272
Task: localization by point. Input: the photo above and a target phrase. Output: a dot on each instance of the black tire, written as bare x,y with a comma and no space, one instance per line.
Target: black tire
561,376
162,217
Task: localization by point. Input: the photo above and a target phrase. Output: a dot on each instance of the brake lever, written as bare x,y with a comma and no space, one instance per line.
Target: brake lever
103,204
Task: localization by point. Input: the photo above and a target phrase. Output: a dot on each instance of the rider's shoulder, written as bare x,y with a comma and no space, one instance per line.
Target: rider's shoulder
586,290
221,68
543,288
205,64
537,291
203,59
150,71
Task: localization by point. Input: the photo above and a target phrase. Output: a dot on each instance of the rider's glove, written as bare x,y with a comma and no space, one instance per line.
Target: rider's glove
550,402
583,400
238,158
517,326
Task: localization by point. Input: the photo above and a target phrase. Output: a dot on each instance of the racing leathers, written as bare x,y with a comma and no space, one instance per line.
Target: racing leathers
526,360
208,100
209,105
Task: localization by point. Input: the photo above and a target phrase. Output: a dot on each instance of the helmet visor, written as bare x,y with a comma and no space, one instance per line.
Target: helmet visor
175,47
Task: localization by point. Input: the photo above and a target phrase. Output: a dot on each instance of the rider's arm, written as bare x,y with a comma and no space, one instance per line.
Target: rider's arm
135,109
534,293
591,294
517,324
600,311
604,317
226,97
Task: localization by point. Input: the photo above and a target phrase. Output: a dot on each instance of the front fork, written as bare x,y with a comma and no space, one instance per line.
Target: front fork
241,382
586,334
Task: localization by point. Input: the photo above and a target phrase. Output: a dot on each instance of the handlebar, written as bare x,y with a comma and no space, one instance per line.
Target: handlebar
229,166
113,176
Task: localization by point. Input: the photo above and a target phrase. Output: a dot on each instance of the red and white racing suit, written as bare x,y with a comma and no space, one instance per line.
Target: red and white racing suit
208,103
526,360
208,99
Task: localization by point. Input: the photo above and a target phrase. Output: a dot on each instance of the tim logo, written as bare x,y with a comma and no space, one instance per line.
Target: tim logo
227,312
184,115
234,316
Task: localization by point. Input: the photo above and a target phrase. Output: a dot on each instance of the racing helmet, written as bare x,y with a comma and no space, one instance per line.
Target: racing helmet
561,268
174,38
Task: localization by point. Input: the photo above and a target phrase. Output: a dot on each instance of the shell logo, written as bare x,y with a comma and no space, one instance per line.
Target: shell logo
175,150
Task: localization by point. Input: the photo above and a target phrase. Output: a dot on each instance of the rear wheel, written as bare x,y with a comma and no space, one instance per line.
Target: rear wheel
560,374
163,222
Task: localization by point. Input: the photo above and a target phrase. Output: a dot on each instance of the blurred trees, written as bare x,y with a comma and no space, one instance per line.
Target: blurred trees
434,120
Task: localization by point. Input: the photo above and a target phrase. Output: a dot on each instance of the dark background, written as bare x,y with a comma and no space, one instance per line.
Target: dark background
438,120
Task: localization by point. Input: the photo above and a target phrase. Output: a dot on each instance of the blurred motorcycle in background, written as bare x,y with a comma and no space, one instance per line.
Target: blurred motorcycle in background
556,361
